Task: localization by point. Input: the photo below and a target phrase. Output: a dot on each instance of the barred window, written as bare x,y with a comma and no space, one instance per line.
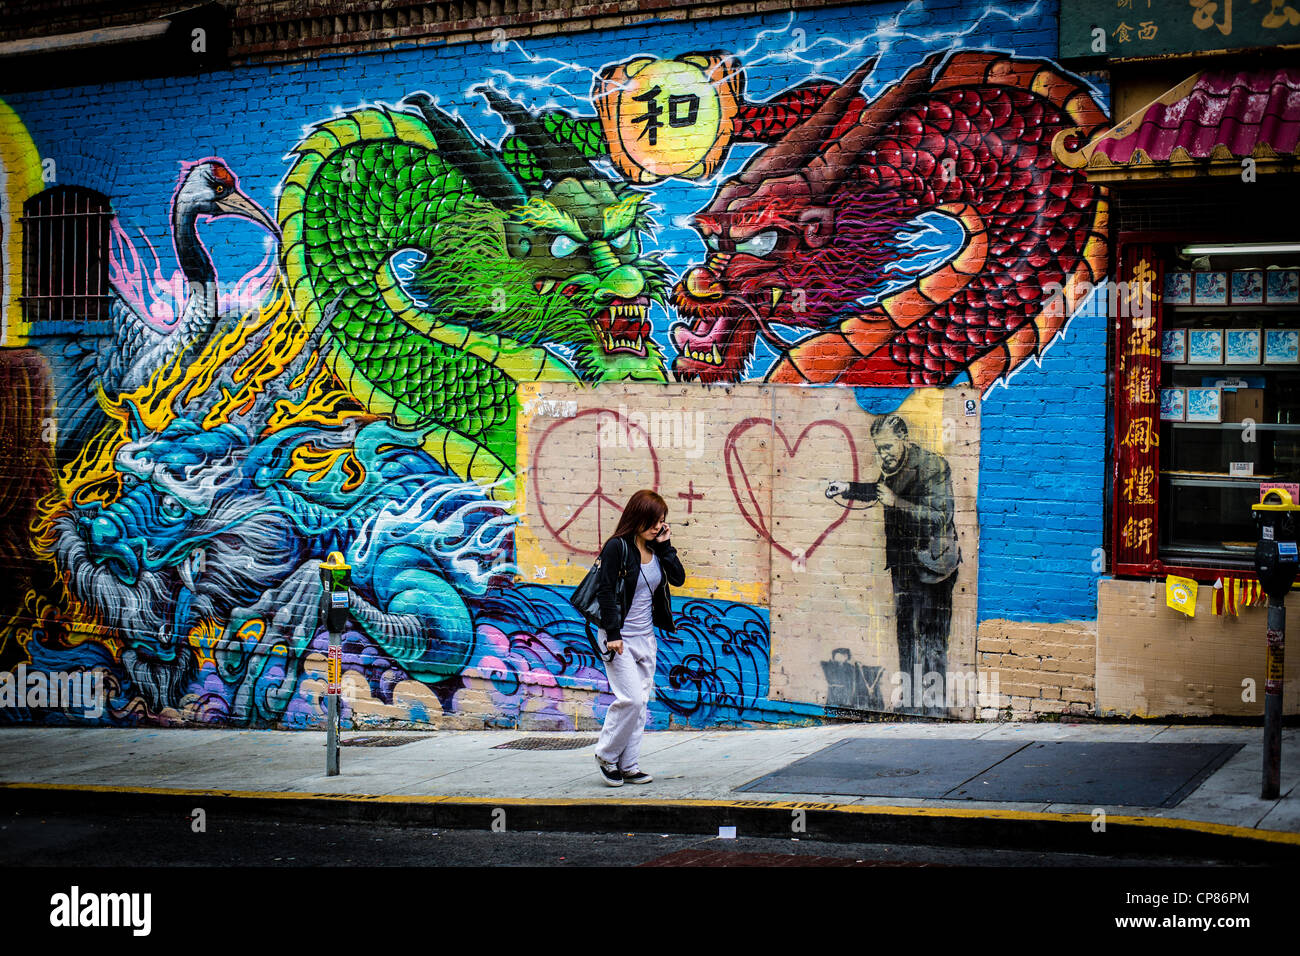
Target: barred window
65,255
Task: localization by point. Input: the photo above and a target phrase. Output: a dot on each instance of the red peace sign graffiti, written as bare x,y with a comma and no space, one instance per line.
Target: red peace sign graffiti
623,457
750,504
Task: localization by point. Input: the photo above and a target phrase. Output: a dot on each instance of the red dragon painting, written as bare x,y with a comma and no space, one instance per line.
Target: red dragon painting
808,227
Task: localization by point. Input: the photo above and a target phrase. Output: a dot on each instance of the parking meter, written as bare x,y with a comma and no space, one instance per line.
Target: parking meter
1276,561
336,584
1276,564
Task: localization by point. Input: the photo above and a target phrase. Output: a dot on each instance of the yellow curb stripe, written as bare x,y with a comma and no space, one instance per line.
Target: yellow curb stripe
1028,816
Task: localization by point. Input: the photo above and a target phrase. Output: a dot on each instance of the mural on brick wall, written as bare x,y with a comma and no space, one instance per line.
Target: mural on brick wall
382,379
810,233
855,530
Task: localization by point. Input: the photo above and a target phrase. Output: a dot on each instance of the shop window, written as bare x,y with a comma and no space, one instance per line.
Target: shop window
65,256
1207,401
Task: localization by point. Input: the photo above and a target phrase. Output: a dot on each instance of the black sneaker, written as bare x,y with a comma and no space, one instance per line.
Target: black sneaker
610,772
636,776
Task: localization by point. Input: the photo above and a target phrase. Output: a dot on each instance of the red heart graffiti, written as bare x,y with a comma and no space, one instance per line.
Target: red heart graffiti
744,493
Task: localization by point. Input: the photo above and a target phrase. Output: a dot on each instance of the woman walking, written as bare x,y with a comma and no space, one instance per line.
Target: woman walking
641,551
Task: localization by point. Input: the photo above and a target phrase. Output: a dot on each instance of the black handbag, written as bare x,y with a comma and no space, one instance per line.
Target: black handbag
585,600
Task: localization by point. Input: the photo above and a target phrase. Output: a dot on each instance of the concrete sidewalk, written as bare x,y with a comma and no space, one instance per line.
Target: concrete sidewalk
454,776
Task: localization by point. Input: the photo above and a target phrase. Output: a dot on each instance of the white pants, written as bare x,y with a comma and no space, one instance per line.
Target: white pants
632,679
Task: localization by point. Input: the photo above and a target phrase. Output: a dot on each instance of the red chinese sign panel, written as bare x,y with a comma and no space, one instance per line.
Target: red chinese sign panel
1136,320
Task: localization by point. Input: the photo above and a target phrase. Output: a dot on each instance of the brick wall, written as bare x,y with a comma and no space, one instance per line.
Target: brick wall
1154,661
288,30
746,497
794,612
1040,668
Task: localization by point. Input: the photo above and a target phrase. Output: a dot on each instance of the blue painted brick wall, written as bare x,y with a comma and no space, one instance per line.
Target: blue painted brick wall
1042,478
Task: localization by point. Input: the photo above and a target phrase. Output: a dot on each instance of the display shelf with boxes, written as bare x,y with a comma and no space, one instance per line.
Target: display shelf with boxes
1229,399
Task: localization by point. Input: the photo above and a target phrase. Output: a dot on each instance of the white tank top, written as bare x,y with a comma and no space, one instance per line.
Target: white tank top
639,622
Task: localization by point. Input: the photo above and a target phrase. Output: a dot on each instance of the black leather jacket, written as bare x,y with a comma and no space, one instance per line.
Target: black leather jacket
611,615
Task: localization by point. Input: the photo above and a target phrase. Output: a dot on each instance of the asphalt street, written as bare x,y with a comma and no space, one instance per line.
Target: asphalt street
37,838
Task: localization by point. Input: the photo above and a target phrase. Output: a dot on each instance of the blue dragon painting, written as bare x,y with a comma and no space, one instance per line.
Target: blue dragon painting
210,528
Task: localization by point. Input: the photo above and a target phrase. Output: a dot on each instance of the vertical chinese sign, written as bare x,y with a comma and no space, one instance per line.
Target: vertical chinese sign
1136,317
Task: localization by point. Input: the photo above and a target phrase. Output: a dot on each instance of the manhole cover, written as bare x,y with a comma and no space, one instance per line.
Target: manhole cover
381,741
897,772
546,743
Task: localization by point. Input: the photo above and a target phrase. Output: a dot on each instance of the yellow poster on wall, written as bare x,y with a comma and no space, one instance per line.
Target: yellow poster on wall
20,179
1180,594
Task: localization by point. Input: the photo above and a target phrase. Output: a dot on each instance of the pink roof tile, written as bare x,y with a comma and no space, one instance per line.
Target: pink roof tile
1237,110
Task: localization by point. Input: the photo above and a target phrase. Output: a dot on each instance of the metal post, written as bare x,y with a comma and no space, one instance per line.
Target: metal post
334,668
336,583
1273,698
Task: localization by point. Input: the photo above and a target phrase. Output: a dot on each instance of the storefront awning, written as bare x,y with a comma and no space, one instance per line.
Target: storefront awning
1205,126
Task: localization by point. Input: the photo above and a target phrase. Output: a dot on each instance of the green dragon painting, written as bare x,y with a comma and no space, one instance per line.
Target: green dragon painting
527,266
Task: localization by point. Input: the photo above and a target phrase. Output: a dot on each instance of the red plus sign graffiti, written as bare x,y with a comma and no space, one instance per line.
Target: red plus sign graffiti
690,495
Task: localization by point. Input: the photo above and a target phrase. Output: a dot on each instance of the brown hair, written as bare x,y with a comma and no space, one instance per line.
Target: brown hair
644,509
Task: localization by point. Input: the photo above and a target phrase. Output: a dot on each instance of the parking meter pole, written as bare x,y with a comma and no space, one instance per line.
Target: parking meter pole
336,582
1273,700
332,710
1276,564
